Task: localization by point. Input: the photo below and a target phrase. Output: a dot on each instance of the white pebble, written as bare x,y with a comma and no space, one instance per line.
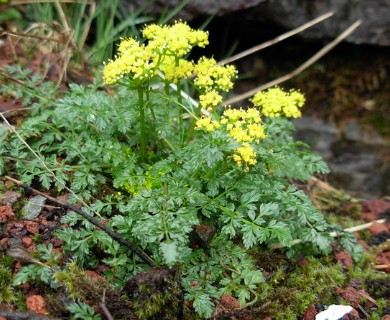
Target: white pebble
334,312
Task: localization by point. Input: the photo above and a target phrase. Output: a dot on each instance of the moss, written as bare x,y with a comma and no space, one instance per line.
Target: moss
8,294
293,291
380,121
156,294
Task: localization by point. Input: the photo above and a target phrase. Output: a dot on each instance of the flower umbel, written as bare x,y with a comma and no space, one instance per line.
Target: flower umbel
245,154
176,69
242,126
133,59
211,79
276,103
177,40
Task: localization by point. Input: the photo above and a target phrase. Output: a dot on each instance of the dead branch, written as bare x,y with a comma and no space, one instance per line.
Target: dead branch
276,40
143,256
298,70
381,266
333,234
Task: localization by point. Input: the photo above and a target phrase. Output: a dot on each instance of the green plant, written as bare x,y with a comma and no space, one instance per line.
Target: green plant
93,26
155,165
7,291
83,311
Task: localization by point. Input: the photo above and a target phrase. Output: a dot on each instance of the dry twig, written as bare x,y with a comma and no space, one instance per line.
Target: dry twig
143,256
298,70
276,40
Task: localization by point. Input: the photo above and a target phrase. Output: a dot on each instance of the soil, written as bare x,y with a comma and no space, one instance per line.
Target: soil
368,295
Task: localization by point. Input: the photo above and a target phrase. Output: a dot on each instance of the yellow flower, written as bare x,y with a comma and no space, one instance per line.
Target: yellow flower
165,46
256,132
173,72
133,60
276,103
245,155
177,39
207,124
243,126
211,76
210,99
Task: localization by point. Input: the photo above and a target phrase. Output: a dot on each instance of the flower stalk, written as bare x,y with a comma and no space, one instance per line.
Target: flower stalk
141,106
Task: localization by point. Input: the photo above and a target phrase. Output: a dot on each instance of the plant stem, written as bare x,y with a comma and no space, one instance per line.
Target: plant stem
193,122
180,102
141,105
164,211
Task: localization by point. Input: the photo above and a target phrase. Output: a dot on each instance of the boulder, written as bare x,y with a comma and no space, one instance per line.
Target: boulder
375,29
289,14
196,8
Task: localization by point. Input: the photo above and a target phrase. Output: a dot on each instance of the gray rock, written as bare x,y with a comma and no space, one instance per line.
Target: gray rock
353,153
320,136
292,13
34,207
9,197
196,8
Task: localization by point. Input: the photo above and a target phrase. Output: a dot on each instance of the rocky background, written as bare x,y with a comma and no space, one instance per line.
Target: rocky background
292,13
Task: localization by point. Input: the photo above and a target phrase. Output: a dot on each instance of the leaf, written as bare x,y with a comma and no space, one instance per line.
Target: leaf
169,252
203,305
243,296
281,231
123,224
323,243
250,197
252,277
269,209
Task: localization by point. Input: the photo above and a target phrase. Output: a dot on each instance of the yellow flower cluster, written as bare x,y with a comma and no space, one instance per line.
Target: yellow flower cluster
166,45
174,71
133,59
243,126
207,124
245,154
210,79
177,40
210,99
276,103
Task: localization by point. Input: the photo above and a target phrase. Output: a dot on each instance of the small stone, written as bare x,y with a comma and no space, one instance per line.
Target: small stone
32,227
34,207
351,295
345,259
37,304
27,241
375,209
56,242
94,276
10,197
377,228
204,234
353,315
230,302
6,213
310,313
334,312
383,258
